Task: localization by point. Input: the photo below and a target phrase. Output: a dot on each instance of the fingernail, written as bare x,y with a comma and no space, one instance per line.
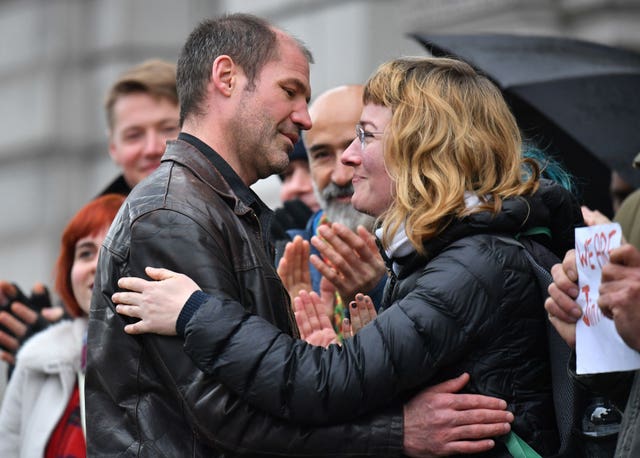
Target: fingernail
576,312
353,304
359,296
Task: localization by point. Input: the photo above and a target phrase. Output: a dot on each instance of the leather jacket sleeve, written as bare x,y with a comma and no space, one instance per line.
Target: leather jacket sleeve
217,416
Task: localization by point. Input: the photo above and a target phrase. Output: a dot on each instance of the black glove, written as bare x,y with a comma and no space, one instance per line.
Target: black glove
39,299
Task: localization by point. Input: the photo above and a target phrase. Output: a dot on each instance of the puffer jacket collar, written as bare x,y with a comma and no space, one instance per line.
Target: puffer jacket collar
38,353
552,207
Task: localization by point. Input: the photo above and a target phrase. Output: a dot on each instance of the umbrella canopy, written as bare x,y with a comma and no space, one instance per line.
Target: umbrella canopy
579,99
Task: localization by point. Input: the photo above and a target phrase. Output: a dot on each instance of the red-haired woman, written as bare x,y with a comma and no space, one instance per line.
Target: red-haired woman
41,412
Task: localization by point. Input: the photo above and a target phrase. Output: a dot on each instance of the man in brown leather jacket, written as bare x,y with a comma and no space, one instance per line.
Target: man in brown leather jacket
244,88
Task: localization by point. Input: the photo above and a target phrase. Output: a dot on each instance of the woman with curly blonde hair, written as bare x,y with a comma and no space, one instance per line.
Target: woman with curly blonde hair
438,158
451,133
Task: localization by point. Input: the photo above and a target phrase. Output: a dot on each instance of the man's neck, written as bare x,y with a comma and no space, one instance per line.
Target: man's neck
215,138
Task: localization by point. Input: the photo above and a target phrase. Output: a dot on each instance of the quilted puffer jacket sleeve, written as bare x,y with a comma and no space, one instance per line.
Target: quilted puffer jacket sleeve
430,327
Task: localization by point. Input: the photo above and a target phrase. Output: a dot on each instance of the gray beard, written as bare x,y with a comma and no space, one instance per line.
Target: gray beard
337,212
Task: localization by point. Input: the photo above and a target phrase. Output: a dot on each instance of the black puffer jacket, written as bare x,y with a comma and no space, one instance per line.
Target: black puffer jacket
144,397
473,305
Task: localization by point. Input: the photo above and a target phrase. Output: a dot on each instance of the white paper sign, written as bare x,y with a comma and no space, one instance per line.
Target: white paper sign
599,348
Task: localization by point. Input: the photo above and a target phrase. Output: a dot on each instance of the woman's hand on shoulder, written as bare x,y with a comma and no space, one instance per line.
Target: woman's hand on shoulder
157,303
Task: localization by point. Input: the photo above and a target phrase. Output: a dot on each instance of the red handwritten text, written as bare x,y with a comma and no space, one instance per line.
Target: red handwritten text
592,313
594,253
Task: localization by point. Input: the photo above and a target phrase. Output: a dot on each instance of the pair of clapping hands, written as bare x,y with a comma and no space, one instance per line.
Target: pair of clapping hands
349,263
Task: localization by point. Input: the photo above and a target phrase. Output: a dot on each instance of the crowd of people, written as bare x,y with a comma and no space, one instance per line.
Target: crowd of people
389,307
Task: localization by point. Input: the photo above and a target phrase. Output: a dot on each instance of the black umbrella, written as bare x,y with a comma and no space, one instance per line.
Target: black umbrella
580,99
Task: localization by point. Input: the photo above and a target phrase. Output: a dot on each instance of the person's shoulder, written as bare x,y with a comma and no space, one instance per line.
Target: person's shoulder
315,220
298,211
309,229
59,341
292,216
476,244
628,215
151,193
476,253
630,207
117,186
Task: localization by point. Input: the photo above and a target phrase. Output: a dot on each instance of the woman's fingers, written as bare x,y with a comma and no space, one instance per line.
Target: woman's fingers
362,311
132,283
158,273
17,327
129,310
127,298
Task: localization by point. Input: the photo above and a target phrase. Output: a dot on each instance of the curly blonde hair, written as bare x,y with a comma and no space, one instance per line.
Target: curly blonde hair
451,132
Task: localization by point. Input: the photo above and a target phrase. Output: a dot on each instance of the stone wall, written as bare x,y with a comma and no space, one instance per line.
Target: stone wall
59,56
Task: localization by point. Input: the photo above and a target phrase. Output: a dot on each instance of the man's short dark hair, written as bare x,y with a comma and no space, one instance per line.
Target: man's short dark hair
249,40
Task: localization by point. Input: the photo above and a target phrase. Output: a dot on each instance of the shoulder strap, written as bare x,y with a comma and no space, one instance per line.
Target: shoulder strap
567,397
519,448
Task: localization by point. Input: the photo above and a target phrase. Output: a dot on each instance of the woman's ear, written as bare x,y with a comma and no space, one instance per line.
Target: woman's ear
223,74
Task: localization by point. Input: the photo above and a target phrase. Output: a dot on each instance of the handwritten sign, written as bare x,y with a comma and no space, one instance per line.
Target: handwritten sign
599,348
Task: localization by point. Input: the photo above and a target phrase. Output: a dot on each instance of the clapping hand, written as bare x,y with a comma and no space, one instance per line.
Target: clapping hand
293,268
312,319
349,260
361,312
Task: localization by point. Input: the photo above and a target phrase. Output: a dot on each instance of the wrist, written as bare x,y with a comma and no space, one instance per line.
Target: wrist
190,307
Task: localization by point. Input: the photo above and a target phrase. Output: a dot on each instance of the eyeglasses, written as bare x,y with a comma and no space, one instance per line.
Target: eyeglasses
363,135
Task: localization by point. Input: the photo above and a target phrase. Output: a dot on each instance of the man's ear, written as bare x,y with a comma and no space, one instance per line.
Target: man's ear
224,73
113,152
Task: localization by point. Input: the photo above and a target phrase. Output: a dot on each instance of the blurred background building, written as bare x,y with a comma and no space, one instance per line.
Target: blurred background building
58,57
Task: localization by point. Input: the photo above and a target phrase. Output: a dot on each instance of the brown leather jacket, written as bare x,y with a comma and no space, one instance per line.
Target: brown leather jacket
144,396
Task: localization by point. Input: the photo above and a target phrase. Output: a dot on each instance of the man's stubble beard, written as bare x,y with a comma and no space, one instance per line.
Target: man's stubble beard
254,148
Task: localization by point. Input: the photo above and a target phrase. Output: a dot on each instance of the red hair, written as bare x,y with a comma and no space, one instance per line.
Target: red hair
90,220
